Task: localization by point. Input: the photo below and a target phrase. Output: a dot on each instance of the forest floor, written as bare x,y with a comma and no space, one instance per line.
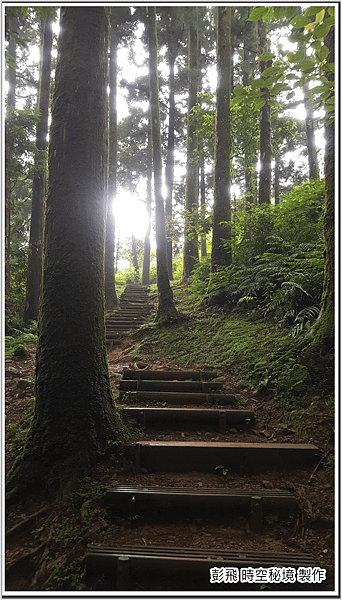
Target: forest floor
46,544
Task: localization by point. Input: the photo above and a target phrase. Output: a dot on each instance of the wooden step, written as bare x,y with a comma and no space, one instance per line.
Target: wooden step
218,418
141,563
177,397
169,375
124,496
169,386
248,458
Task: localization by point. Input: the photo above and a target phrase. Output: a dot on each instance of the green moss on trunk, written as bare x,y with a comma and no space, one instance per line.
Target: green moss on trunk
74,416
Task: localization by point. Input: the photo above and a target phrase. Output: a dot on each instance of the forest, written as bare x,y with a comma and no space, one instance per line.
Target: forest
189,151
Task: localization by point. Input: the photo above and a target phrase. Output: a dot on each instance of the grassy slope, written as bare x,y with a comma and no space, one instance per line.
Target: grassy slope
262,356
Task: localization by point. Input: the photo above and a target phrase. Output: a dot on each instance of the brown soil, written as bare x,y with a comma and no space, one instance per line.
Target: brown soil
47,552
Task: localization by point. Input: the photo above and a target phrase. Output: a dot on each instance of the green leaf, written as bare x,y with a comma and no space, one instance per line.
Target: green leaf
268,15
265,56
313,10
322,53
257,13
320,15
258,83
316,45
309,26
331,11
24,10
290,11
277,88
307,65
259,104
278,12
299,21
240,92
330,67
321,31
296,56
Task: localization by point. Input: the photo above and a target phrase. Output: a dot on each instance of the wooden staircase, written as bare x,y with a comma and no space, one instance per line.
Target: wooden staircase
133,309
190,390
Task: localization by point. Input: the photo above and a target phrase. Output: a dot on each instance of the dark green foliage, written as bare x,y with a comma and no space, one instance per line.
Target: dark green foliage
278,261
20,339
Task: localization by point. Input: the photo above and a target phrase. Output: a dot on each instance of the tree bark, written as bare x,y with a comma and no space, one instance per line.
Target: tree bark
169,166
203,206
265,176
191,256
166,312
110,291
35,254
221,251
12,78
147,244
74,418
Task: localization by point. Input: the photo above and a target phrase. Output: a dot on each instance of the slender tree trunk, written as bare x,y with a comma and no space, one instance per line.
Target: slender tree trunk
221,251
310,134
13,27
12,79
203,206
169,166
250,159
191,188
135,259
166,311
276,179
147,244
74,416
110,291
265,177
35,254
324,330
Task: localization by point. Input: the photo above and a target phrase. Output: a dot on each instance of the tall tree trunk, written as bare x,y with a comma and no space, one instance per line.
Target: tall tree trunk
324,330
265,176
276,179
147,244
35,254
74,416
310,134
203,206
170,157
250,159
221,251
135,259
110,291
13,27
191,188
166,311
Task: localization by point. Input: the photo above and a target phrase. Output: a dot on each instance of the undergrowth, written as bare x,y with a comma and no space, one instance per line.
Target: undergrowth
260,353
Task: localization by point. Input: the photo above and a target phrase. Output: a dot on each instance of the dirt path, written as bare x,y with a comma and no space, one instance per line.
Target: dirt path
45,540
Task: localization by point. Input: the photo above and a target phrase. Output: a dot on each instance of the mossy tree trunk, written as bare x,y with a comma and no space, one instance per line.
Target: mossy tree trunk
166,311
191,255
323,339
75,418
265,176
221,252
35,254
110,291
